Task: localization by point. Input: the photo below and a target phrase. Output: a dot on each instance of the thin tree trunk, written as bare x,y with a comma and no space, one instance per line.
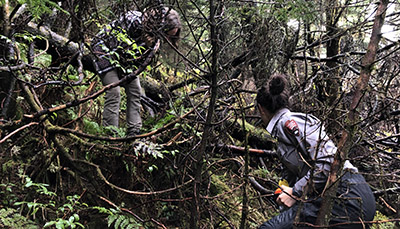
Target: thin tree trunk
245,205
208,124
331,88
346,139
7,81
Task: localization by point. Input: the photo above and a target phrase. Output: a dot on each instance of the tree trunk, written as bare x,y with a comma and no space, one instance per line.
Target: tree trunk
198,167
7,55
346,139
332,49
331,86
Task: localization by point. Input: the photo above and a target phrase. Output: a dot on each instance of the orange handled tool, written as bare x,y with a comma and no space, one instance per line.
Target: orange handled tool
279,190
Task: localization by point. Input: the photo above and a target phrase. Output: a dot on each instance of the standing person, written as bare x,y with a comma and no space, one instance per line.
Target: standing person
307,153
118,49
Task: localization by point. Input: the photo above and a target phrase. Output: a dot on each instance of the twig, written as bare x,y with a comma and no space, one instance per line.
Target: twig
42,52
223,216
389,191
387,138
158,223
387,205
18,130
241,150
173,140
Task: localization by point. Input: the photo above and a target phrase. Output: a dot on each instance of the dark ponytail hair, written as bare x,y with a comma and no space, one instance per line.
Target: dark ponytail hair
274,95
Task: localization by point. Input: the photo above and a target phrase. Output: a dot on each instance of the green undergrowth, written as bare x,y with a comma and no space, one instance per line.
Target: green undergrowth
10,218
28,204
384,225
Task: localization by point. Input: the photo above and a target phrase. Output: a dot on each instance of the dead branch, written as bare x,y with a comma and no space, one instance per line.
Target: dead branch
18,130
242,150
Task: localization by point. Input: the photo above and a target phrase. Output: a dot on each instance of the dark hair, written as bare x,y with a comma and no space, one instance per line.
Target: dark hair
156,20
274,94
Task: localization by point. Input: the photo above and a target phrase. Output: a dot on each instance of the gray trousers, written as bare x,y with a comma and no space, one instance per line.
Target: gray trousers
113,99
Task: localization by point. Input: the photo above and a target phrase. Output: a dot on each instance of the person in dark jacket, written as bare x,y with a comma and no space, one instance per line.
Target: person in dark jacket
118,50
306,152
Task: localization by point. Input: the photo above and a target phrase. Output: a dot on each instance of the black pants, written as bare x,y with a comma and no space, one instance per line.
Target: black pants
355,202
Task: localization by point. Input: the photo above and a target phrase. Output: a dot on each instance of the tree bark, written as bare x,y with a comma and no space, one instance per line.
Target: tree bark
330,90
346,139
198,166
7,55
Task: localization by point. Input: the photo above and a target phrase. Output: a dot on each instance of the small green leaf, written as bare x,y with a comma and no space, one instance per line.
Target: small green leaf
124,223
48,224
111,219
76,216
118,222
60,224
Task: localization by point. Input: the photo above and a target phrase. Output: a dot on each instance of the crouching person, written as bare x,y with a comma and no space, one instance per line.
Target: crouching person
306,153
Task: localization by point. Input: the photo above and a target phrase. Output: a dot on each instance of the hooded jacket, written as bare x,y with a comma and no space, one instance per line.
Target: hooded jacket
304,148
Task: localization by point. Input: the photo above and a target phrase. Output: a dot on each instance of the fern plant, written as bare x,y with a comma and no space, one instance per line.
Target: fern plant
10,218
117,219
67,214
122,221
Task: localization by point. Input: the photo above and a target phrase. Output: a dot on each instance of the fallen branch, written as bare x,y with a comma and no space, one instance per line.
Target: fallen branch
242,150
17,130
387,191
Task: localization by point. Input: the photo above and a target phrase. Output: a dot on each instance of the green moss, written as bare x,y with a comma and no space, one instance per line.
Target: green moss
381,217
217,185
229,204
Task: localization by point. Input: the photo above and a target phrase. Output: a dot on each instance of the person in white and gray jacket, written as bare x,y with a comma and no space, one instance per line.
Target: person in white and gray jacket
118,50
306,152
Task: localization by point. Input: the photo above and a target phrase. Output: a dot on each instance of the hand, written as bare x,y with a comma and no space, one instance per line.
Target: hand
286,198
149,40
